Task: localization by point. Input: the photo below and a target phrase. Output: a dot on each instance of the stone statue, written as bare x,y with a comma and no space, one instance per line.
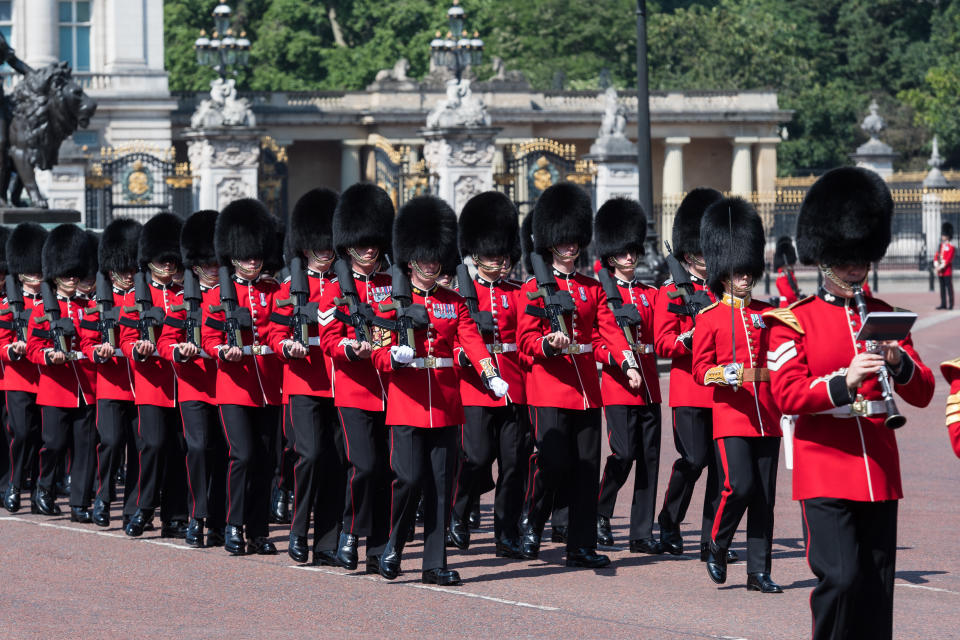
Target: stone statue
614,121
460,108
223,108
873,124
398,73
48,106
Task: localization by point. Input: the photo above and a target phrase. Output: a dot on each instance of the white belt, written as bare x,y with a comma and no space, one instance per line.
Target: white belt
643,348
857,410
118,353
431,363
76,355
313,341
574,348
502,347
257,350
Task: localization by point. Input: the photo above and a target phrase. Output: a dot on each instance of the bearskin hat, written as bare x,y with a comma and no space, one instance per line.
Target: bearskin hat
363,218
196,239
93,263
274,262
731,236
489,226
526,241
65,252
311,222
686,223
845,218
4,234
562,214
784,254
119,245
620,226
946,229
244,230
24,247
425,231
160,240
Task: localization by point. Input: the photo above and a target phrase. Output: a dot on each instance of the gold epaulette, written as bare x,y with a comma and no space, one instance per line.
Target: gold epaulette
786,316
708,307
950,369
953,408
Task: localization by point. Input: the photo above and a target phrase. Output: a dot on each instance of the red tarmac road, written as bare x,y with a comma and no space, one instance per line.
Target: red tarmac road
59,579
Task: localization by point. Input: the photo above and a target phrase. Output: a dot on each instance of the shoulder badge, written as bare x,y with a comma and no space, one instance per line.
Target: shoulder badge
802,301
708,307
786,316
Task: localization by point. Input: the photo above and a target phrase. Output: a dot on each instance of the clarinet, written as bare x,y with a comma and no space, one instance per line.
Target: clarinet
894,419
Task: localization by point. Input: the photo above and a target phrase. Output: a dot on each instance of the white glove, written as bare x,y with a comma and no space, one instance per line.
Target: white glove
401,355
731,374
499,386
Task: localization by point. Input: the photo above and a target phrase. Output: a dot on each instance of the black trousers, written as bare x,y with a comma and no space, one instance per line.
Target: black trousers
251,434
24,422
5,436
568,462
366,509
60,424
491,434
286,452
748,475
424,461
206,462
852,549
318,473
116,425
163,470
693,438
946,291
633,433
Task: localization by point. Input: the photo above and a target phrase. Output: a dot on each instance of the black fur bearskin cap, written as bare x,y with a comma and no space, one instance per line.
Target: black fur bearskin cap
4,235
160,240
119,245
311,222
686,223
785,254
620,226
425,231
363,218
245,230
489,226
946,229
732,238
24,247
562,214
93,258
64,252
845,218
526,241
196,239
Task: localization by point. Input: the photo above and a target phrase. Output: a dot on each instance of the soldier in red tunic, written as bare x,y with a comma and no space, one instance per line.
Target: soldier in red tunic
163,473
20,375
196,383
317,440
424,409
489,231
951,373
248,374
784,259
633,415
362,236
943,265
729,358
563,386
64,393
846,467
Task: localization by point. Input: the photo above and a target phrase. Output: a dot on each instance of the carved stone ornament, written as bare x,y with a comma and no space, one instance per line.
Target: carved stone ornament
465,188
223,108
232,188
460,108
471,152
436,152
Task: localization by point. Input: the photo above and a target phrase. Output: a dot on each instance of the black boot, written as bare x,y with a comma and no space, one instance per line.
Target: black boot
587,558
604,534
173,529
297,549
717,563
101,513
261,546
646,545
46,503
442,577
670,539
763,583
325,558
11,499
509,547
215,537
80,514
373,564
559,534
473,521
347,551
138,522
233,540
390,560
194,535
458,535
279,509
530,533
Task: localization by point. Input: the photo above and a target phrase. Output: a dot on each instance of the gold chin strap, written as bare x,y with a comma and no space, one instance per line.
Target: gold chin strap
426,275
564,257
324,261
620,265
248,274
360,259
160,271
63,284
29,279
694,260
204,276
120,283
489,267
843,284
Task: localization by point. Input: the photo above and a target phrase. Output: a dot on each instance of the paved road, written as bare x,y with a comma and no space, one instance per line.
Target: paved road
59,579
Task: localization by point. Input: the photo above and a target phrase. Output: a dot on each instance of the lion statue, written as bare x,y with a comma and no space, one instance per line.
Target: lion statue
47,107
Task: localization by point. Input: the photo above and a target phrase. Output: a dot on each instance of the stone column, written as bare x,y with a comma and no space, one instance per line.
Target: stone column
766,165
462,158
126,47
42,42
224,161
616,160
741,170
931,207
673,166
350,162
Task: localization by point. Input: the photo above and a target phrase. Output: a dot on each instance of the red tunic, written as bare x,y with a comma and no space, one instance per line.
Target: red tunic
197,377
810,346
431,397
750,410
570,381
786,288
945,254
614,386
61,385
154,380
951,372
114,377
357,384
255,380
308,376
500,299
19,374
668,326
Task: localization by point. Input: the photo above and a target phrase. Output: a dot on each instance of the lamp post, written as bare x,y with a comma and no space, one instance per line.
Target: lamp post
460,54
223,52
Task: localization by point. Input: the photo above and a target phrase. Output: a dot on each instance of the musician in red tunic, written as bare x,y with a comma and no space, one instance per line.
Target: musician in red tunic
729,358
846,466
633,415
784,259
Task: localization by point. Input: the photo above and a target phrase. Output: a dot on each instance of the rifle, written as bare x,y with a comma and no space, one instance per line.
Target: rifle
359,314
468,289
236,317
304,312
192,301
109,315
692,300
60,328
555,301
149,317
20,317
626,315
409,316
